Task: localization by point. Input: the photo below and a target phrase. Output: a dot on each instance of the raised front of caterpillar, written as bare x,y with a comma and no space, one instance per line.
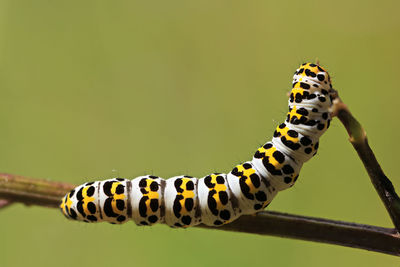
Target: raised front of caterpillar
218,199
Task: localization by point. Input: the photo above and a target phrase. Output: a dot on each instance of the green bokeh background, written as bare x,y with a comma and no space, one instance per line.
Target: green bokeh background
95,89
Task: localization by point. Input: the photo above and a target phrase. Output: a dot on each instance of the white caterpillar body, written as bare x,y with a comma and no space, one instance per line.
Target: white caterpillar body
217,199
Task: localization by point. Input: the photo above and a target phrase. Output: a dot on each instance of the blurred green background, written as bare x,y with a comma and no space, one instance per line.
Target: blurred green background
94,89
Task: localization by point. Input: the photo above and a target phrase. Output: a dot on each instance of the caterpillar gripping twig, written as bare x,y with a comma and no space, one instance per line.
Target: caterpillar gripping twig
218,199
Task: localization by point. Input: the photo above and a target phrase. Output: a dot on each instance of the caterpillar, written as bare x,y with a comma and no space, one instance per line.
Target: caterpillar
218,198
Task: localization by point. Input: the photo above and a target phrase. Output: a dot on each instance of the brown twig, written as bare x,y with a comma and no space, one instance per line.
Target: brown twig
358,139
347,234
32,191
47,193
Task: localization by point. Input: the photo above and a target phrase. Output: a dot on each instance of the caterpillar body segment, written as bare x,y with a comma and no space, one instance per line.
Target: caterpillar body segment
252,191
218,199
146,196
281,169
181,202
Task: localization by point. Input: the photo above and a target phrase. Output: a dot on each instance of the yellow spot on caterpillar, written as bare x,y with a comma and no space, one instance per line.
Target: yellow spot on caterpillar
69,202
313,69
268,153
151,195
116,197
186,194
247,174
218,188
297,90
86,199
284,131
293,113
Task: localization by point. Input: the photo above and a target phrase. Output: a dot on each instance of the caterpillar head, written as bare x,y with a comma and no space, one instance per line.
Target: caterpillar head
310,75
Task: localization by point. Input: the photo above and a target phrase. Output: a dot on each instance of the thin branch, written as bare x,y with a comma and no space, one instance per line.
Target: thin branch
358,139
47,193
346,234
32,191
